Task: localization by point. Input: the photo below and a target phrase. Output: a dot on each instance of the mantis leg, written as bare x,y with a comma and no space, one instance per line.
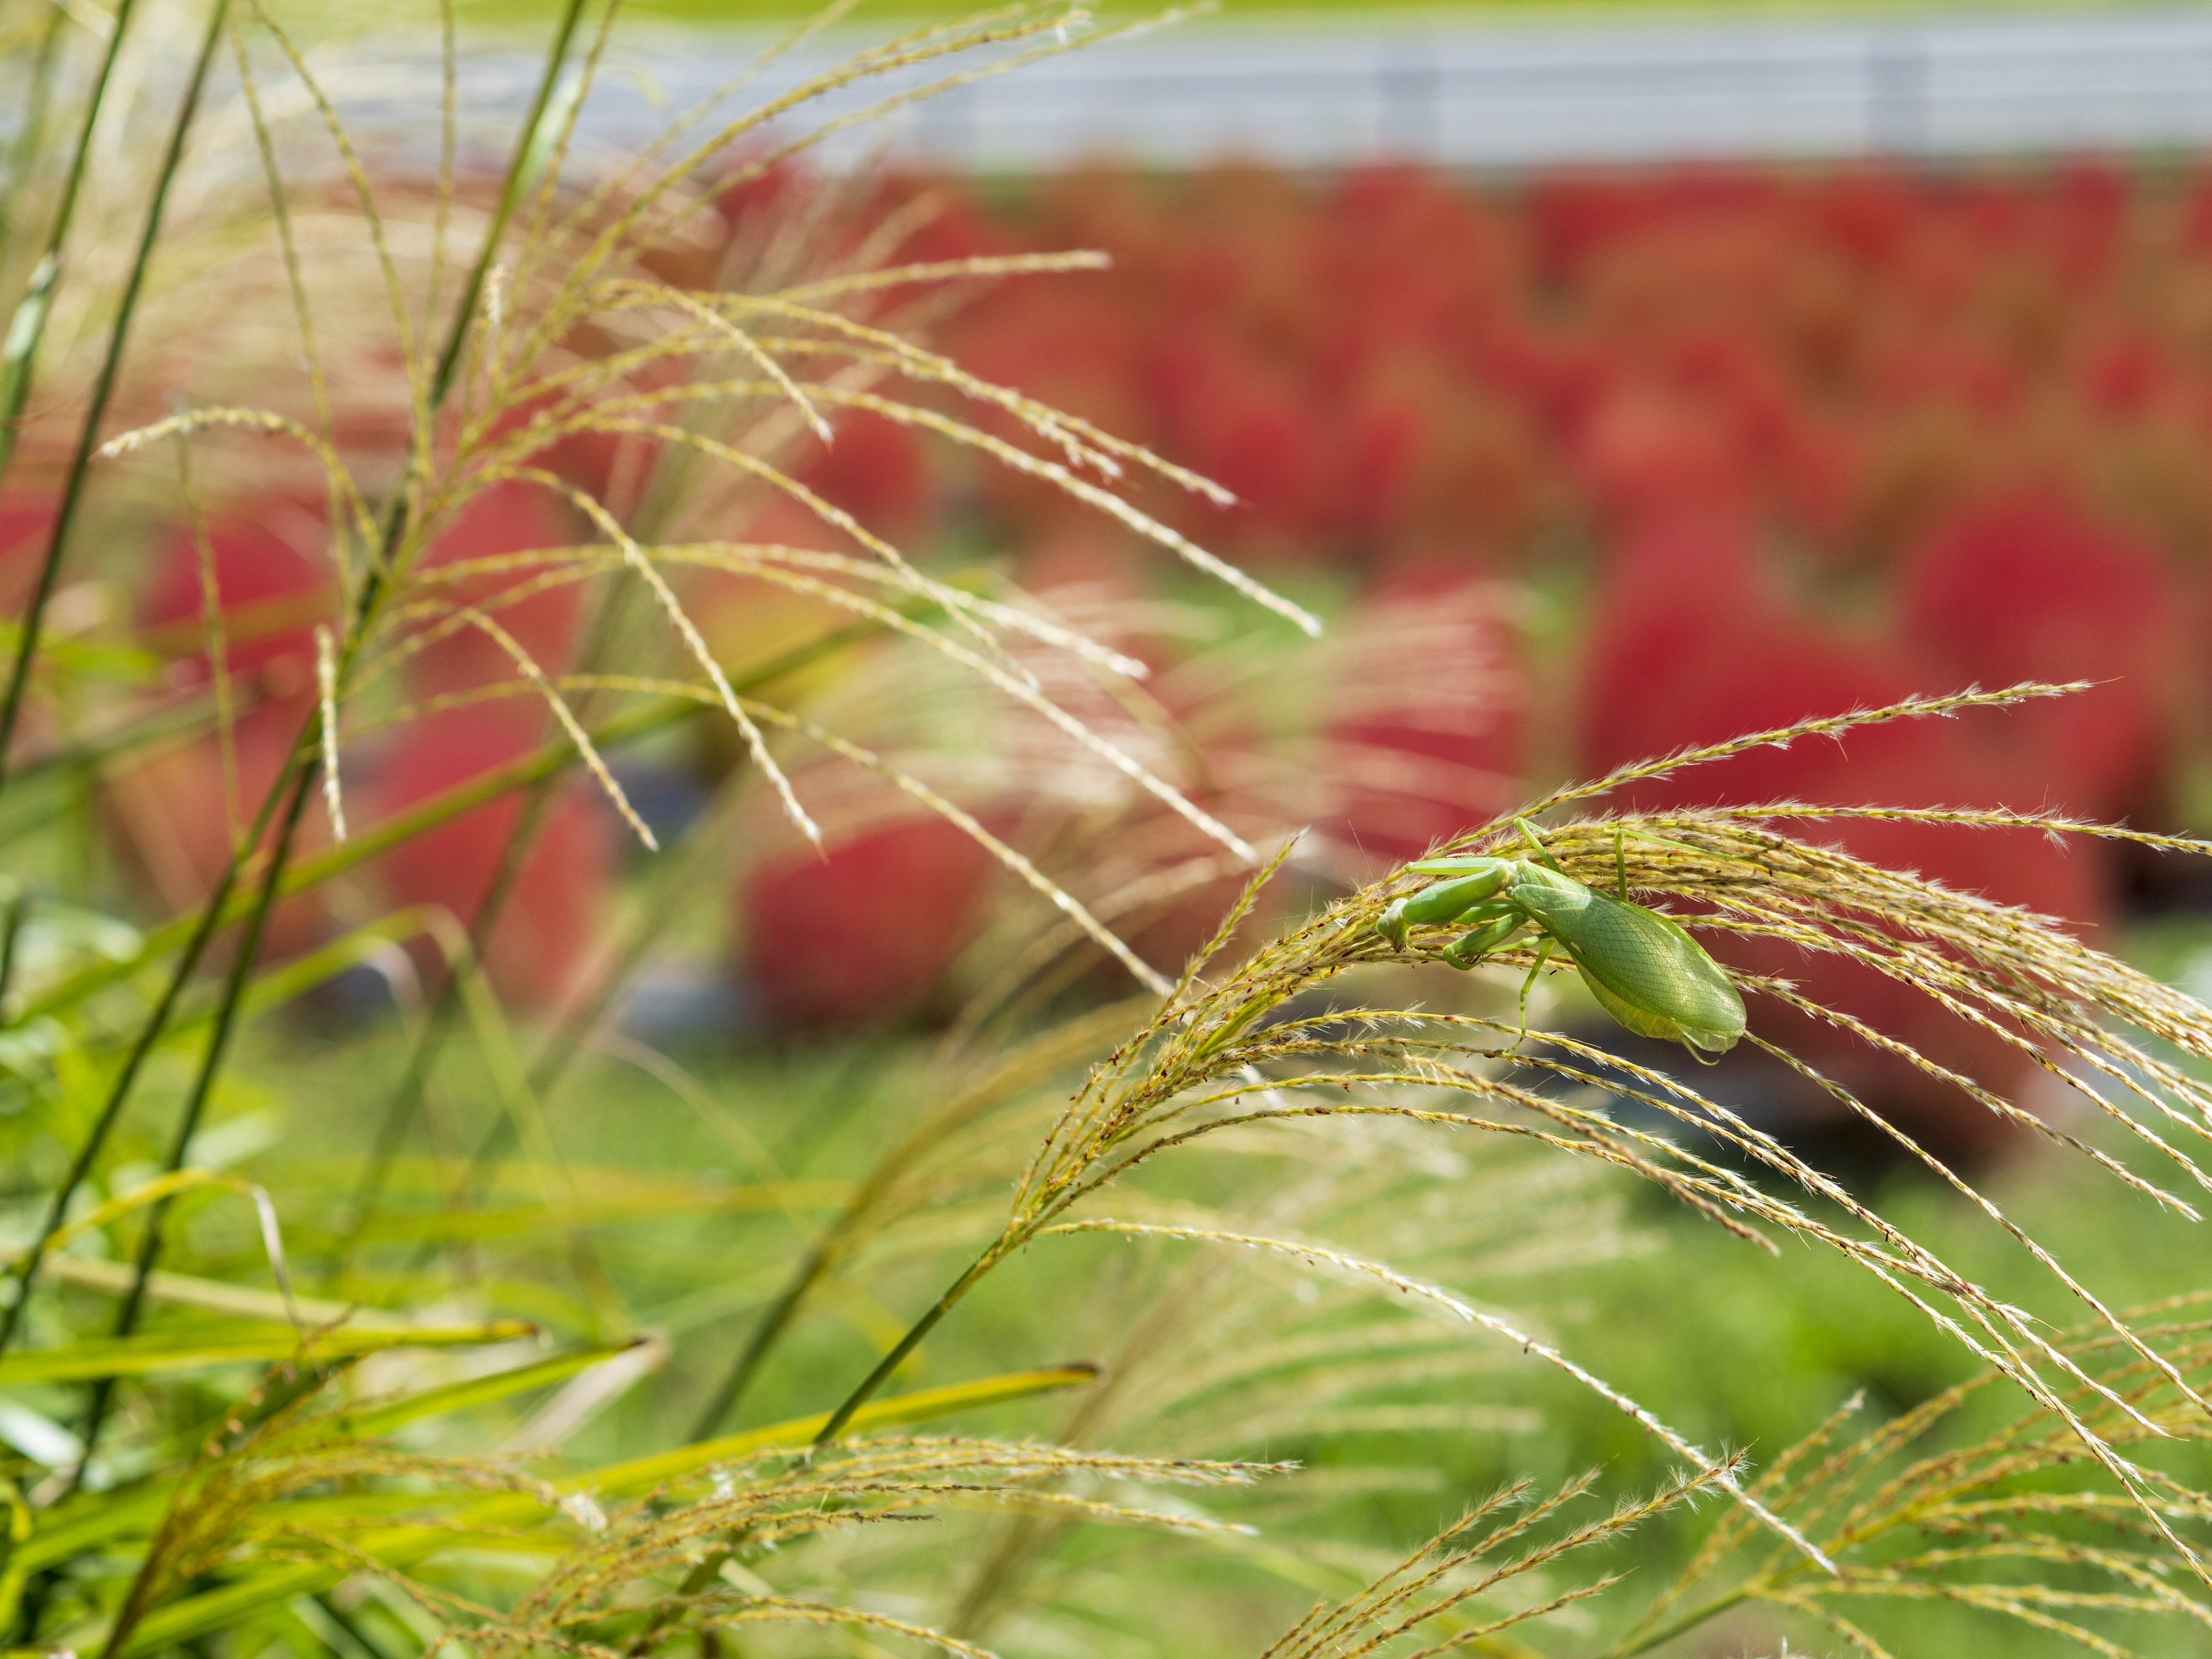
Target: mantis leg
1619,865
1494,925
1490,910
1543,952
1529,835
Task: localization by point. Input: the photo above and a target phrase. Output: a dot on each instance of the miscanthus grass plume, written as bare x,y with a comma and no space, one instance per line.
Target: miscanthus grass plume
1295,1197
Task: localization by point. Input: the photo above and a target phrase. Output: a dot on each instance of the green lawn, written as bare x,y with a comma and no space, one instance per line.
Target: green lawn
1758,1351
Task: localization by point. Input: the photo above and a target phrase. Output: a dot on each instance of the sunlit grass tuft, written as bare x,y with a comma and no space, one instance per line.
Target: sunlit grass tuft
1315,1189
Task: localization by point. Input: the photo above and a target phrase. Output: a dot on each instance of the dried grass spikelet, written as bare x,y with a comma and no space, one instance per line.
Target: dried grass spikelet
647,1572
281,1441
577,334
1225,1056
1440,1597
1221,1352
578,337
2005,1520
599,1576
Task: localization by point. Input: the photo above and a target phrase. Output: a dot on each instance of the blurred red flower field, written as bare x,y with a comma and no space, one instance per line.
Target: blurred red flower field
1815,439
1793,442
1763,444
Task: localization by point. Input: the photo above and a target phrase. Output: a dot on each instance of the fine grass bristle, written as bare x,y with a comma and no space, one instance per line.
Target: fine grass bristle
1256,1263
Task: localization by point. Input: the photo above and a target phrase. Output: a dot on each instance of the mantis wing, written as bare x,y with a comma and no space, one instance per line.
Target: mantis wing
1642,968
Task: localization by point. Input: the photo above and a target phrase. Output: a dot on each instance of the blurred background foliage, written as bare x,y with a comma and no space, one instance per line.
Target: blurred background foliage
1577,465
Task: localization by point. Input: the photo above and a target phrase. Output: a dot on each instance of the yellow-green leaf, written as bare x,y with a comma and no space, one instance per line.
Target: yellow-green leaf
402,1545
194,1349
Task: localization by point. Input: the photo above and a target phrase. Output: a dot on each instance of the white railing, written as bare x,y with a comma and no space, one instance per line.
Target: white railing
1508,91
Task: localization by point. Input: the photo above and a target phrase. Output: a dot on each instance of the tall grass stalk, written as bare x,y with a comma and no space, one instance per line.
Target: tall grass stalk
1349,1194
27,326
220,1031
297,774
27,329
197,932
23,153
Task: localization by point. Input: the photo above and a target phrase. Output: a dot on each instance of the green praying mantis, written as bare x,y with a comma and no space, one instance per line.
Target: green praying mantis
1642,968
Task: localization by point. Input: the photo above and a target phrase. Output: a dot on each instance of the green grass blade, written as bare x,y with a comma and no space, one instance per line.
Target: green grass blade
147,1352
28,325
523,1220
93,1522
398,1546
215,1295
373,842
16,357
383,1418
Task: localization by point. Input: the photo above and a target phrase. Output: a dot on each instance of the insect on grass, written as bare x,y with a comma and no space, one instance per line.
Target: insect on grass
1642,968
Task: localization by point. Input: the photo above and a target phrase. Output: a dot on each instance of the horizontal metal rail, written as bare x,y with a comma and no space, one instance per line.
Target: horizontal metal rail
1511,93
1501,91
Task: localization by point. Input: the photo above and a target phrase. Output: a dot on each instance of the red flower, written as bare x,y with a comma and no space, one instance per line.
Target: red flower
26,524
551,915
858,935
2027,586
273,582
507,518
1433,460
1254,427
1649,451
1434,733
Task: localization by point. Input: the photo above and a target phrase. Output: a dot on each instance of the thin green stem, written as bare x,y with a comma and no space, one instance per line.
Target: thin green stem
11,935
30,324
280,212
769,1331
406,1100
202,929
705,1572
510,194
400,1110
1688,1621
275,878
906,1345
24,155
833,1242
224,1026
